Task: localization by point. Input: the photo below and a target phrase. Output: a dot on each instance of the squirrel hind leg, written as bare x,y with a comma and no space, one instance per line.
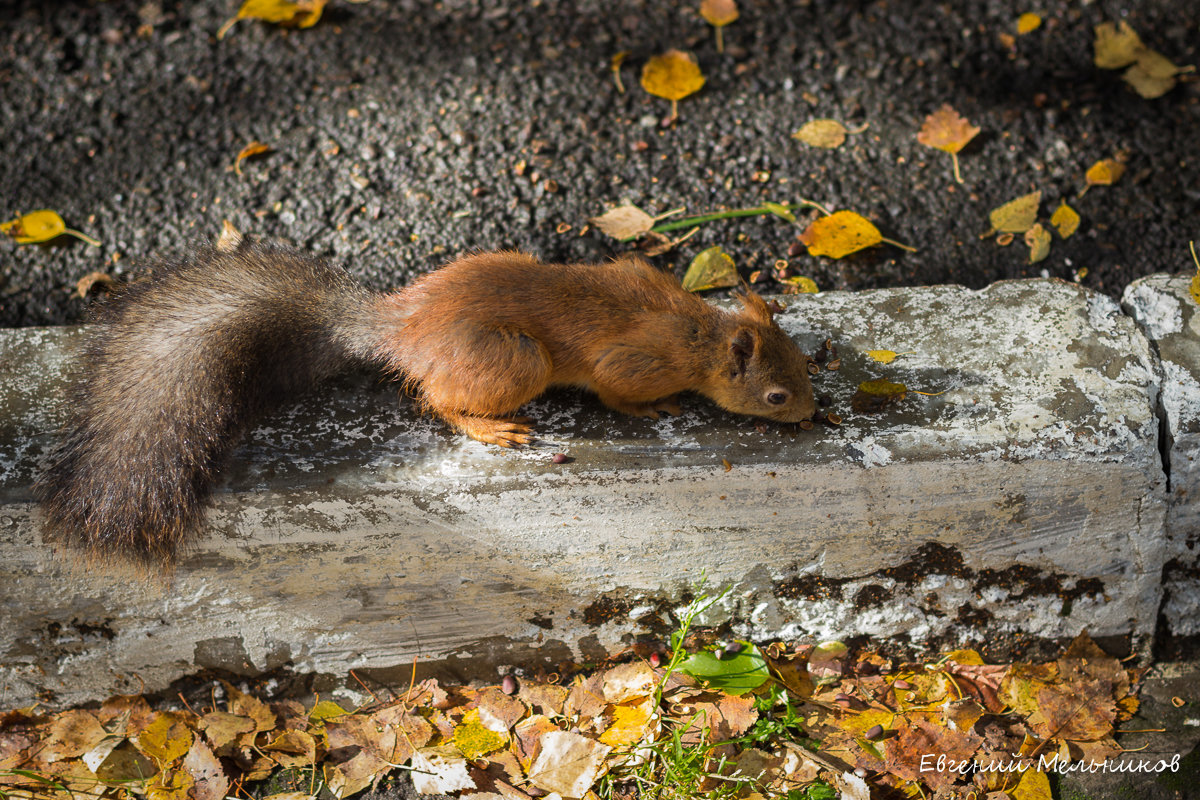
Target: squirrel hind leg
491,373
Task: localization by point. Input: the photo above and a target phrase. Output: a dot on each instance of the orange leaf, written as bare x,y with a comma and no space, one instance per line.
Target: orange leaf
946,130
252,149
1028,23
719,12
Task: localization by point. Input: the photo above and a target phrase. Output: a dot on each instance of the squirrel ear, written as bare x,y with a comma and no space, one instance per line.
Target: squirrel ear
755,307
741,349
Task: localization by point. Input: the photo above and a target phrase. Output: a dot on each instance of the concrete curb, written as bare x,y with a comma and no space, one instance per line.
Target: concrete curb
1025,501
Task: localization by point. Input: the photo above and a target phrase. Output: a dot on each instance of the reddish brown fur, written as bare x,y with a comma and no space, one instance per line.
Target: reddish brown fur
182,364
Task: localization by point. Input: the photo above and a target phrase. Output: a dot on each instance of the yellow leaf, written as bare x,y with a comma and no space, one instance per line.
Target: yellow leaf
803,285
840,234
1065,220
630,722
166,738
719,12
252,149
473,739
1153,75
1038,239
288,13
1027,23
1195,288
946,130
827,133
964,658
883,356
673,75
873,396
1015,216
36,226
624,222
1115,47
710,269
1105,172
1034,785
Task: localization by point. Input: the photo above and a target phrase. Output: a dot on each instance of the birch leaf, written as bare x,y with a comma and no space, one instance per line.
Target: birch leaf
1115,47
287,13
710,269
1038,239
624,222
840,234
1065,220
827,133
1015,216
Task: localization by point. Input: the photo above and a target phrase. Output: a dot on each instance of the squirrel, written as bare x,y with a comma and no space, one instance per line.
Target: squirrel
182,363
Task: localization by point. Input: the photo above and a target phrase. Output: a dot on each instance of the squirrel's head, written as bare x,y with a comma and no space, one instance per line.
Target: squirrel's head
765,373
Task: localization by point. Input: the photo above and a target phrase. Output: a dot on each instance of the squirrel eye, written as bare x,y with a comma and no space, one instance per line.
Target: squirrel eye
777,398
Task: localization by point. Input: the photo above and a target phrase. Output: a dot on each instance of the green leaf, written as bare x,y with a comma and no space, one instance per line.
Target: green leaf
735,675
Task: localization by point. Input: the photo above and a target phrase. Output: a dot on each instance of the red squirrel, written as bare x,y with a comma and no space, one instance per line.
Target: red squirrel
181,364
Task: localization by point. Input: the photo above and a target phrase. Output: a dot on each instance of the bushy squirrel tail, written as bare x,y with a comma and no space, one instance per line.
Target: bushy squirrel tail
177,369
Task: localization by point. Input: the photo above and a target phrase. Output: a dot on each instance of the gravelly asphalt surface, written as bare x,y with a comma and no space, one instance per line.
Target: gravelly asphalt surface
404,133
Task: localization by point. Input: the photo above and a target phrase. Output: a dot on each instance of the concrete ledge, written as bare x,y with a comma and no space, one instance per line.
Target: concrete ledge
1164,308
1026,500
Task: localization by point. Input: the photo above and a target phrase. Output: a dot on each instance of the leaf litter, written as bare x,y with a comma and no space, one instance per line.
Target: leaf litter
727,718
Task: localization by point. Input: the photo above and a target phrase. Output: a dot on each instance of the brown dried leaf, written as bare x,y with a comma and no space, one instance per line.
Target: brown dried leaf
624,222
247,706
945,129
71,734
209,781
568,763
221,728
293,748
627,681
1080,710
918,737
543,698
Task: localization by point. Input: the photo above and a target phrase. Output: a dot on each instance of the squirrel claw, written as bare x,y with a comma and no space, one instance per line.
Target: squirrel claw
514,432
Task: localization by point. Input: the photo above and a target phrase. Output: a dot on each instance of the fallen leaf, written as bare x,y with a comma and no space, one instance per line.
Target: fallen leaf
209,781
167,738
624,222
1028,23
1015,216
1065,220
945,129
1104,172
40,226
287,13
1038,239
222,728
673,75
710,269
827,133
100,281
292,748
252,149
474,739
1195,287
71,734
883,356
719,13
800,285
568,763
1152,75
1033,785
875,395
1115,47
839,234
631,722
439,770
615,65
